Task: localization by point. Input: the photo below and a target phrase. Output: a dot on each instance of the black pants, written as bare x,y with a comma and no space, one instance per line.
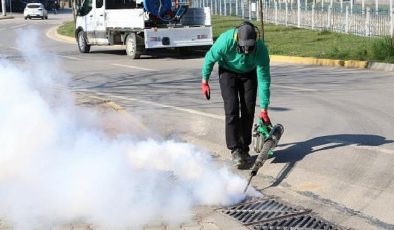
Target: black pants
239,93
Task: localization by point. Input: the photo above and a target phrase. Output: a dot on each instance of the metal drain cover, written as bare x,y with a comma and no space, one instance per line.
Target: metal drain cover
269,213
308,221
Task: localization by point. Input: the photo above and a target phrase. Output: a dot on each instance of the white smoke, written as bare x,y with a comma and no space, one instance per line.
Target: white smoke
58,166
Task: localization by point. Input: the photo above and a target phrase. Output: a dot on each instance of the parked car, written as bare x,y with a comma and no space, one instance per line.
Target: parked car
35,10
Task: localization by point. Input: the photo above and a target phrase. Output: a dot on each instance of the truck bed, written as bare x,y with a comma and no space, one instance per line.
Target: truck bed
135,18
125,18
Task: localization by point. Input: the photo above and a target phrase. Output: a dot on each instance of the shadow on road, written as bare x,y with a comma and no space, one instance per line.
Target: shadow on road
297,151
189,53
120,52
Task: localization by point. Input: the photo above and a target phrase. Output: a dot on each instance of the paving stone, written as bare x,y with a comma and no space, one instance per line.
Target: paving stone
173,227
155,227
197,227
210,226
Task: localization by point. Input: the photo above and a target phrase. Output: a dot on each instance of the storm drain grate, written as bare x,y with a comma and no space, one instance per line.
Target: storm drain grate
269,213
261,210
305,222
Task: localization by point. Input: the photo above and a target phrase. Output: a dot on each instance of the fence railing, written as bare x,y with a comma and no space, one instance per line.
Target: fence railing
340,16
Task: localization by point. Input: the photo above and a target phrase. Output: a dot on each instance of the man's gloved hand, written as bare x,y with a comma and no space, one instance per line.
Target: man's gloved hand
264,117
205,90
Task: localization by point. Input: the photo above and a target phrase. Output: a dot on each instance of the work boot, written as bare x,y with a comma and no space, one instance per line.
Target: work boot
241,159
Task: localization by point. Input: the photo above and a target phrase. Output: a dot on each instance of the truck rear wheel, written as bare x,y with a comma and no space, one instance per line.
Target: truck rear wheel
131,46
82,42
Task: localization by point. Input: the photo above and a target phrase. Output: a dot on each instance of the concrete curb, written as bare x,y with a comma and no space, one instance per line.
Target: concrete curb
378,66
320,61
53,34
381,66
6,17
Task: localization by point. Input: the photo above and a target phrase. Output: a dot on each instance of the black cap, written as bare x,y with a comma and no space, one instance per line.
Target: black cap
246,35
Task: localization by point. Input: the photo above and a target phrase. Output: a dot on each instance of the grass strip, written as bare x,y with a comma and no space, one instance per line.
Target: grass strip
67,29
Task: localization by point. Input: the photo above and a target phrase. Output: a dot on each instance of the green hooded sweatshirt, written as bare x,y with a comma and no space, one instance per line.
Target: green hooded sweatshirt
224,51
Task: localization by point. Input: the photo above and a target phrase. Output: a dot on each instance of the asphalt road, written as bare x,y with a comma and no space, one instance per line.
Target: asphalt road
337,153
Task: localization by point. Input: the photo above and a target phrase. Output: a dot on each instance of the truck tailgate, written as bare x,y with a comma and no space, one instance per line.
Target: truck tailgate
178,37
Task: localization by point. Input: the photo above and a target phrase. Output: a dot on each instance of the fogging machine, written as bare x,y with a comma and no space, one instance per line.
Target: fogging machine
265,138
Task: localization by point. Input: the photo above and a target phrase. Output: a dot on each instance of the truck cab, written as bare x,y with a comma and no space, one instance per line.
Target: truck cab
141,25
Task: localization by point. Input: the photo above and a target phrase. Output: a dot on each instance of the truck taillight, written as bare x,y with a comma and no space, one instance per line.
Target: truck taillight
155,39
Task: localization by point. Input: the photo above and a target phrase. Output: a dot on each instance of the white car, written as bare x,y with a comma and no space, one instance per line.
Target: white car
35,10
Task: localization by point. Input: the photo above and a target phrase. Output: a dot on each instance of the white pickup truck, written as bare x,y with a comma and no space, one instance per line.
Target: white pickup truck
142,25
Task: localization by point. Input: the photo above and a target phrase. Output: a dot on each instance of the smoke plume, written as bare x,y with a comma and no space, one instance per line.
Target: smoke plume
58,166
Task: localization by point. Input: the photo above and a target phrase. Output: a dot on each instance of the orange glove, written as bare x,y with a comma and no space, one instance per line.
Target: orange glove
264,116
205,90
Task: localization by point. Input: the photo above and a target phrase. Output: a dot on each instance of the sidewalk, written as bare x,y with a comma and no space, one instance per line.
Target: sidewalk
6,17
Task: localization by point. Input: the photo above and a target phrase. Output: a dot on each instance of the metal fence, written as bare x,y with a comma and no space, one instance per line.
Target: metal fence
373,19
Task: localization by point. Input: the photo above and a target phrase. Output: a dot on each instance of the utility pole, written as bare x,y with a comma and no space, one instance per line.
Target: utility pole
3,9
392,20
261,19
74,10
